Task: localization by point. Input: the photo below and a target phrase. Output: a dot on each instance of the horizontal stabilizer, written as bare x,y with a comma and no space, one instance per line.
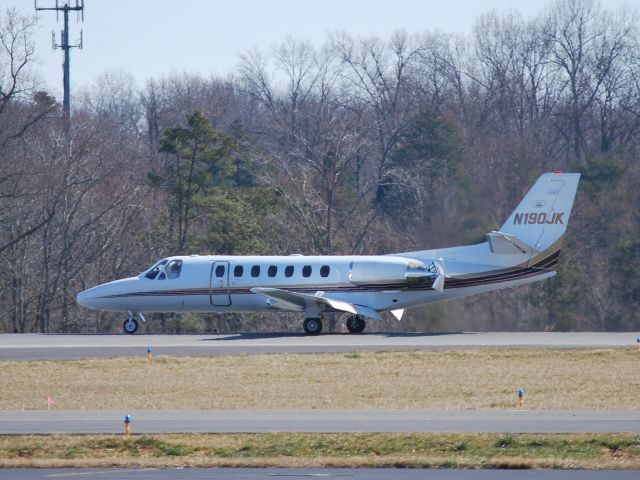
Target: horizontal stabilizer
438,266
287,300
504,243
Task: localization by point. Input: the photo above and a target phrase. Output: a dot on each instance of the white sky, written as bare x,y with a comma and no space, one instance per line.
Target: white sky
152,38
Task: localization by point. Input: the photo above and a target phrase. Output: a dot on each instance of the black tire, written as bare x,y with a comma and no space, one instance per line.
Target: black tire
356,324
312,326
130,326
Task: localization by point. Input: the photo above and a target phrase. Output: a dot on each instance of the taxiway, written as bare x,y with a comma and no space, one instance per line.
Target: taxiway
319,421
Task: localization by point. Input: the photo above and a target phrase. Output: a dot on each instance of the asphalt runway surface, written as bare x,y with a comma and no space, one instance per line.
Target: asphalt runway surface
318,421
40,346
330,473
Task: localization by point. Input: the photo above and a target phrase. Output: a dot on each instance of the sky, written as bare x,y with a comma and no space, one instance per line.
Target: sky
154,38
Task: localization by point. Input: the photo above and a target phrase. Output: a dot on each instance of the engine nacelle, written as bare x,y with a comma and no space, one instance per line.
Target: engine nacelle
386,270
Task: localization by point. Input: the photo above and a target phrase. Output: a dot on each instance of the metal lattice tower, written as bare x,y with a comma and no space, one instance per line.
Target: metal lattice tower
65,8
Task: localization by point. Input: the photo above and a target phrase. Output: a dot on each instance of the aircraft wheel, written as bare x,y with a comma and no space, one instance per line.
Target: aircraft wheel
312,326
356,324
130,326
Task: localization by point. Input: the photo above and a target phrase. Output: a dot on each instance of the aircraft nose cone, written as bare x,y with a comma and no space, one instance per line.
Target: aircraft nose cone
90,298
83,298
106,296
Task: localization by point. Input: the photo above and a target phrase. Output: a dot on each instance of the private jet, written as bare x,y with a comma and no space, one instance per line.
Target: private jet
524,250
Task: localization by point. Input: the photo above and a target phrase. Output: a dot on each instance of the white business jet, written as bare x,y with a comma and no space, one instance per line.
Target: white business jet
524,250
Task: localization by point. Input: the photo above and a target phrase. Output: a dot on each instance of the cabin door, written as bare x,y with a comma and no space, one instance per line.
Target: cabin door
219,284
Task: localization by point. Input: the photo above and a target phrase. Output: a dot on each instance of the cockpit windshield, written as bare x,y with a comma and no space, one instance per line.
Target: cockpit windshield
153,271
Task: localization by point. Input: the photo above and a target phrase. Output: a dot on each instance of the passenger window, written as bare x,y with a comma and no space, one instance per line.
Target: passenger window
288,271
306,271
220,271
174,268
238,271
324,271
255,271
273,270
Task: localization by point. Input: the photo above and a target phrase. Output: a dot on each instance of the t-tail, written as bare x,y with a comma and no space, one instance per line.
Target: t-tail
538,225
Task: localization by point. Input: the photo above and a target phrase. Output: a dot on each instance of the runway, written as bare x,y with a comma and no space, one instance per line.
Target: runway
40,346
319,421
331,473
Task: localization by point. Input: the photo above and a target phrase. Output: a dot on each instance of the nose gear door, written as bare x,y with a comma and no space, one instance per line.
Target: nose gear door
219,284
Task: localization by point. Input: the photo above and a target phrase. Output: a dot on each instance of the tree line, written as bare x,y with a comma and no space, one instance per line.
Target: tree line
359,146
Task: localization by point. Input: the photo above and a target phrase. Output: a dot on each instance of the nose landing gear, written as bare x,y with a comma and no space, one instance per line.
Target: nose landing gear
130,325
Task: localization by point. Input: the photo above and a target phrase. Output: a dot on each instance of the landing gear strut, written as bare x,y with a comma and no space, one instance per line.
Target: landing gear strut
356,324
312,326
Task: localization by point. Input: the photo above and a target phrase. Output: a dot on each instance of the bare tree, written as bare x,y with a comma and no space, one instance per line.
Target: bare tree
586,46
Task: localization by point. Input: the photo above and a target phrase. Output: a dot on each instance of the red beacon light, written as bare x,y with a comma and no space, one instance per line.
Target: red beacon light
557,171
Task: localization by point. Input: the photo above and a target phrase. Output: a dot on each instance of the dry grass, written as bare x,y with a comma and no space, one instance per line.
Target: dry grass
324,450
456,379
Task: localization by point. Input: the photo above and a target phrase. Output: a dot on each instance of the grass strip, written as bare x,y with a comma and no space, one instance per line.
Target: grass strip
618,451
442,379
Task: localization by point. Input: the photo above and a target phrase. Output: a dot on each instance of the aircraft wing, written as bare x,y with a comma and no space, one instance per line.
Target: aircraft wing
299,302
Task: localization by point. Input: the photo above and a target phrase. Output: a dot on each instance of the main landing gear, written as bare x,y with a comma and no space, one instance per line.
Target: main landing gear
356,324
312,326
130,325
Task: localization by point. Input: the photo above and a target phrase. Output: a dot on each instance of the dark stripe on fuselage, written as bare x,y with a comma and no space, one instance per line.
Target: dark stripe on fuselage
543,266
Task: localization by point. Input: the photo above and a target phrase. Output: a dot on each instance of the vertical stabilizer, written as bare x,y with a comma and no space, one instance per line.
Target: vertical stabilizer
541,218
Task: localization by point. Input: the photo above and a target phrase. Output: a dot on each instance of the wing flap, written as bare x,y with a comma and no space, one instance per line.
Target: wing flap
282,299
295,301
